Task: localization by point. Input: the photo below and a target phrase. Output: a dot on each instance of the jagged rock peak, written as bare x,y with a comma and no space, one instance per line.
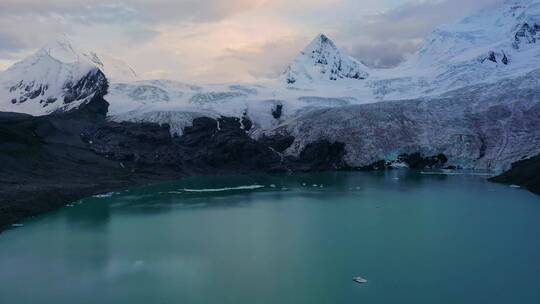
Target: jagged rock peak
320,42
322,60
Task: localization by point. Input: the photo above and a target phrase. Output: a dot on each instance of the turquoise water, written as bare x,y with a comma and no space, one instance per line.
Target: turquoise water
416,238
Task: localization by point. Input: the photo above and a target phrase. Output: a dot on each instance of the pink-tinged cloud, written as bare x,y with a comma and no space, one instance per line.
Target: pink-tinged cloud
224,40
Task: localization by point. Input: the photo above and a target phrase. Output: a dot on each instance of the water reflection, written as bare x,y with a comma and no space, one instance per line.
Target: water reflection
299,239
322,187
91,213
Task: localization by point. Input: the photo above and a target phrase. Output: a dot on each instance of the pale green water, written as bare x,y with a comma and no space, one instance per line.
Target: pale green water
417,239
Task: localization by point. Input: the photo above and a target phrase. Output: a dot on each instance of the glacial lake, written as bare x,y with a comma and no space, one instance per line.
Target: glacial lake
416,237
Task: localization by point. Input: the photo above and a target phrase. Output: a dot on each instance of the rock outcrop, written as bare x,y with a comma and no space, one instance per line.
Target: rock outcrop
524,173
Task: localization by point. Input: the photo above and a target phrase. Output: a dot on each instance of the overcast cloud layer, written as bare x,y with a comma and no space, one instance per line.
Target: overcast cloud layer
224,40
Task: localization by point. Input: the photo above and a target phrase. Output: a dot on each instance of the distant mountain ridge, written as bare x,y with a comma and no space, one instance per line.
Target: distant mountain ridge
497,43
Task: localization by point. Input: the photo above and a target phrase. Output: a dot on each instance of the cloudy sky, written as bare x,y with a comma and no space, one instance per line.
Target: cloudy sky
224,40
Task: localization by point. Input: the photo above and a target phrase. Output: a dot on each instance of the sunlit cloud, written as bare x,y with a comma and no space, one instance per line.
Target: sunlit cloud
224,40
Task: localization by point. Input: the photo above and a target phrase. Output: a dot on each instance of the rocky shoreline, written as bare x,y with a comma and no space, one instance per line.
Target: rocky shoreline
524,173
52,160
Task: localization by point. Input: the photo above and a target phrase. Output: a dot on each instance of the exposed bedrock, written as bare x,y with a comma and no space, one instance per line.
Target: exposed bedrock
322,155
209,146
415,161
524,173
45,164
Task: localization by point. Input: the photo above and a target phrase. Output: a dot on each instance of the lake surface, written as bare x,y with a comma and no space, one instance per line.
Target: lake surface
416,237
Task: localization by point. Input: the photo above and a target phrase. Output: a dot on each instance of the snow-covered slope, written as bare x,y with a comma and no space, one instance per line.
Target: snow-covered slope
115,70
496,43
55,78
58,77
321,60
325,77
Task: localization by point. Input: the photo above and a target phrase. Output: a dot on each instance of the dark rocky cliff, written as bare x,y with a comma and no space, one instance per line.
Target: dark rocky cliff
49,161
524,173
52,160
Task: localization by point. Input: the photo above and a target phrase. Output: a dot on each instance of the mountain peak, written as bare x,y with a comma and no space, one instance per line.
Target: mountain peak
61,49
322,60
319,43
57,77
322,39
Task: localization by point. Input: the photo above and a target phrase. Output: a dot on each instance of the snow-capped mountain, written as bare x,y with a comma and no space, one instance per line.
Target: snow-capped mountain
55,78
58,77
494,44
322,60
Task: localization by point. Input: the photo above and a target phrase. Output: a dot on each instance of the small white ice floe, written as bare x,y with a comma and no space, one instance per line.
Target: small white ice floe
272,186
304,184
70,205
17,225
515,186
315,185
104,195
359,280
249,187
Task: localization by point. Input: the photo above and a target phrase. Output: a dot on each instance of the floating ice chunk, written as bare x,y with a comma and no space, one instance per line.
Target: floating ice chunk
104,195
175,192
455,173
399,165
359,280
250,187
